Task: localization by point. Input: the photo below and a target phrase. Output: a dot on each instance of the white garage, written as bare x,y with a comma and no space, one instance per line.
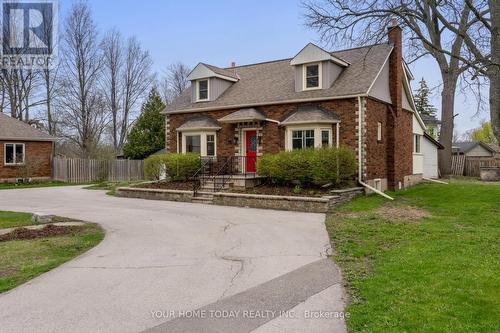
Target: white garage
430,154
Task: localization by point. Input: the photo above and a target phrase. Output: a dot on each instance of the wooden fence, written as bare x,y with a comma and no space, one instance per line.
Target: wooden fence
469,166
75,170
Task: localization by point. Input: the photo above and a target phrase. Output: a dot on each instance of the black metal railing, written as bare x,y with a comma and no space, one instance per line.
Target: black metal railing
221,169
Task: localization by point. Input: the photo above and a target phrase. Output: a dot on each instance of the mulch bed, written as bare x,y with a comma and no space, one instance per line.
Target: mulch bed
184,186
268,189
47,231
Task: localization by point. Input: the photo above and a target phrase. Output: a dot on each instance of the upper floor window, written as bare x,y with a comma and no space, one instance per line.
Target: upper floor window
312,76
202,90
14,153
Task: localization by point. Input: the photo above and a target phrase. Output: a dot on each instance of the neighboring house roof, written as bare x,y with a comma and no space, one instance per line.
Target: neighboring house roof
434,141
310,114
242,115
274,82
494,147
199,123
465,147
13,129
429,120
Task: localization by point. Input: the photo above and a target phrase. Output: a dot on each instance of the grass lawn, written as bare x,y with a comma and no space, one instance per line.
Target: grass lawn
22,260
15,219
438,273
10,186
110,187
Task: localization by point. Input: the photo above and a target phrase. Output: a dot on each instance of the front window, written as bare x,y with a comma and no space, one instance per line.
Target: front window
312,77
302,139
416,143
202,93
14,153
193,144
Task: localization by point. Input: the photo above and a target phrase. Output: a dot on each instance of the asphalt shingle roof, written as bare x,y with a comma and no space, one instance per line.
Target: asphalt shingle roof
196,122
13,129
274,81
310,113
243,115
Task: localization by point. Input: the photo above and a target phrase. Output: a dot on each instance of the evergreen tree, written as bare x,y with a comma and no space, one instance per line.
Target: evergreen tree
422,103
148,133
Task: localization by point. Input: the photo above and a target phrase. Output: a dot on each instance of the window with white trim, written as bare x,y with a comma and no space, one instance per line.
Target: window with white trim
416,143
312,136
14,153
203,143
302,139
312,76
202,90
379,131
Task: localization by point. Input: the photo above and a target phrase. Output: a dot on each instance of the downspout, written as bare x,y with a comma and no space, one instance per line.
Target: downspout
434,180
360,155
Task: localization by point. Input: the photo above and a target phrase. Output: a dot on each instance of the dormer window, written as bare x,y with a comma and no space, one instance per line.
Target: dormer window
202,90
312,76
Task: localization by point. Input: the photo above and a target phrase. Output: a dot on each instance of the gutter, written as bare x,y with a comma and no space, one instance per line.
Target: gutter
360,167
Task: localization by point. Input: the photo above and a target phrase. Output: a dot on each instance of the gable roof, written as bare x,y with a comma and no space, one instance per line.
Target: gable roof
13,129
274,82
314,53
494,147
465,147
202,71
433,141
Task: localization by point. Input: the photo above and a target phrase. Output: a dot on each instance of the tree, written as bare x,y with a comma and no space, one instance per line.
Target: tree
82,104
127,75
366,21
175,81
421,99
148,133
483,133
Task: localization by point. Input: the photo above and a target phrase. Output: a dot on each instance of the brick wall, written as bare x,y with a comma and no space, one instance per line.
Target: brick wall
39,153
273,135
376,151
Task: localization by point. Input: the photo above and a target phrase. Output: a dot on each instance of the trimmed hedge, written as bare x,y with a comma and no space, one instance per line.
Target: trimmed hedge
179,167
309,166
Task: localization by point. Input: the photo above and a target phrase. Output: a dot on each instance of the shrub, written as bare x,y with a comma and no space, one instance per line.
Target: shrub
309,166
179,167
153,166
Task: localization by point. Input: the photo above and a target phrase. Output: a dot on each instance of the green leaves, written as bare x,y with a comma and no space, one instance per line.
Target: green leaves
148,133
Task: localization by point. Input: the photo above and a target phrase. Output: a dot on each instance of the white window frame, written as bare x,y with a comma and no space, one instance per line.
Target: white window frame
14,144
379,131
318,128
415,137
203,141
198,99
320,76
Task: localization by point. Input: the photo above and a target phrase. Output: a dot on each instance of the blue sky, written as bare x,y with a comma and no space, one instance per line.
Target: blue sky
221,31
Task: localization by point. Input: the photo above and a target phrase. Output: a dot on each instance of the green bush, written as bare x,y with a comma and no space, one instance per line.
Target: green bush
309,166
179,167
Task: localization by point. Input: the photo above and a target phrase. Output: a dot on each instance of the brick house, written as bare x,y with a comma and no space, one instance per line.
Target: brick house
359,98
25,151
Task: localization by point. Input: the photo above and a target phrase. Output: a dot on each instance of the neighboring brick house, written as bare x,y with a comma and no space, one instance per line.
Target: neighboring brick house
359,98
25,151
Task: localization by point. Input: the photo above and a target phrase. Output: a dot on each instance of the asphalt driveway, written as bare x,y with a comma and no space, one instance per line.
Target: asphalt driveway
159,258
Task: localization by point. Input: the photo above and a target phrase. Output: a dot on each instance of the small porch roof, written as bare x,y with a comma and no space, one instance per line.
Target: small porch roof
199,123
311,114
242,115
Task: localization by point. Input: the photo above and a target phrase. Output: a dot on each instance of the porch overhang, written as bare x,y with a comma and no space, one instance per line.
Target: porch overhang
243,115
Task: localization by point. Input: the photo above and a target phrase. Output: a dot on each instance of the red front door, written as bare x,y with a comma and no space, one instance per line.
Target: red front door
251,150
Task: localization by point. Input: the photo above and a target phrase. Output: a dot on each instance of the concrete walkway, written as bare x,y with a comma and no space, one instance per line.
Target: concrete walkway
164,258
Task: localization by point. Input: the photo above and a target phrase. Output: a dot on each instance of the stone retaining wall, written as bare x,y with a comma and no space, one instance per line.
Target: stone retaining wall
292,203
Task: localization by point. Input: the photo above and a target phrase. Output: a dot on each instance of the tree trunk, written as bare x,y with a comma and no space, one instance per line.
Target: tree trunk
446,134
494,71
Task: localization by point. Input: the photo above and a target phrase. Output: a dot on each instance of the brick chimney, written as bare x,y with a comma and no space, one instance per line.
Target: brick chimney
400,122
233,64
